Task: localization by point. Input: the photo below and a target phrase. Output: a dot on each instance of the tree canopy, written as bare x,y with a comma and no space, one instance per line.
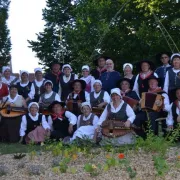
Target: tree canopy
5,43
125,30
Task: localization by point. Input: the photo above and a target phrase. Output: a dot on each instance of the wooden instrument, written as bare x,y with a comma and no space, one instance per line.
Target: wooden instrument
74,106
116,128
132,102
152,101
44,111
97,111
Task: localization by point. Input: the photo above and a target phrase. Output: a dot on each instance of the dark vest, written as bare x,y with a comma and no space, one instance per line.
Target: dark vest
87,122
47,102
24,91
174,80
38,91
31,125
61,125
120,115
95,101
66,87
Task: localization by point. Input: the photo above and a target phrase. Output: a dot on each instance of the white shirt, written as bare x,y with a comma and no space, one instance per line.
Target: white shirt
136,86
169,119
66,80
106,96
39,83
95,120
32,89
166,82
89,79
87,96
71,118
23,127
48,95
129,112
8,82
166,102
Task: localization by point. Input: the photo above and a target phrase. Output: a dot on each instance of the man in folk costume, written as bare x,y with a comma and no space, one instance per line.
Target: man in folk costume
86,124
164,57
87,78
8,78
61,121
164,105
120,111
99,98
100,63
173,117
3,89
172,79
25,87
77,96
38,84
65,81
48,96
145,69
34,126
54,75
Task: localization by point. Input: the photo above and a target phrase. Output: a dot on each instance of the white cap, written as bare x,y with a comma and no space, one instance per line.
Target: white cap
85,104
127,64
24,71
30,104
66,65
4,68
85,67
116,91
37,69
175,54
48,81
97,81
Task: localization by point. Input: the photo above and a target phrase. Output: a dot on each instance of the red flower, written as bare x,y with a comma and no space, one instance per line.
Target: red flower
121,156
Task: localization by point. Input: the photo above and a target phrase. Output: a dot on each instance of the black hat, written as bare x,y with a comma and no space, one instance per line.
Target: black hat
124,79
83,83
138,65
54,103
99,57
158,56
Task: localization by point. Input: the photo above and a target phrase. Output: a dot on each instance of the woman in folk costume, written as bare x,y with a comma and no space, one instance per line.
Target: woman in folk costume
11,123
86,124
65,81
164,57
7,77
25,87
99,98
128,68
48,96
118,110
87,78
125,85
173,117
100,63
3,89
77,96
34,126
38,84
145,69
142,118
54,75
110,77
61,121
172,79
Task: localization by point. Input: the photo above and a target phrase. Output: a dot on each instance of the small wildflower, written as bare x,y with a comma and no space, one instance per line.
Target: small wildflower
178,157
74,157
121,156
42,143
108,156
94,166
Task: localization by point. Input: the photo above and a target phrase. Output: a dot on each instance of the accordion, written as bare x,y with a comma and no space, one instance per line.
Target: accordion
115,128
73,106
132,102
152,101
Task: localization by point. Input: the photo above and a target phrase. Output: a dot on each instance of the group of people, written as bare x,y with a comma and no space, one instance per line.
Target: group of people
62,106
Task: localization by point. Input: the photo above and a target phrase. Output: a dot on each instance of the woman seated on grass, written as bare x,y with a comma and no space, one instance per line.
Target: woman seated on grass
62,122
34,126
86,124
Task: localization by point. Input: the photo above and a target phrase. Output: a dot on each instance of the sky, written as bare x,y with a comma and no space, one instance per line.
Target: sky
25,20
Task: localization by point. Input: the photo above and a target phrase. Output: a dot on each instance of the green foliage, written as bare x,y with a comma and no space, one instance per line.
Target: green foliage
5,43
